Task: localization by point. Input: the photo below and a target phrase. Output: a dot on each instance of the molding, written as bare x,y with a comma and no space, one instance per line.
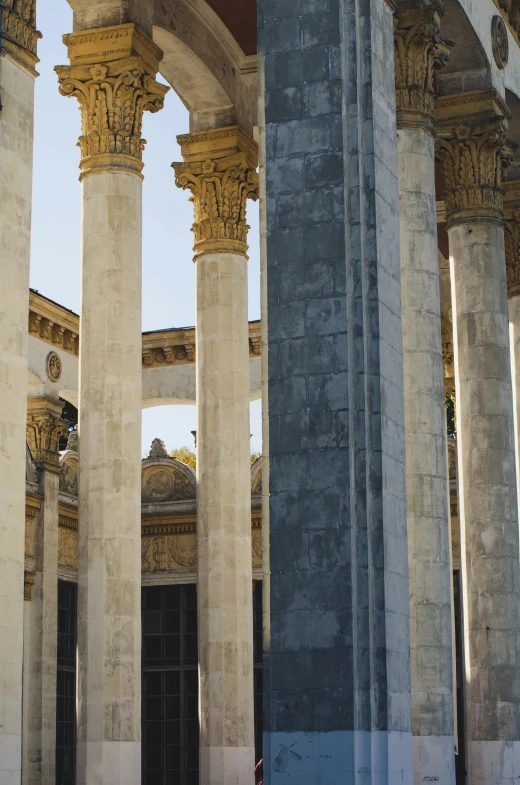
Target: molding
18,34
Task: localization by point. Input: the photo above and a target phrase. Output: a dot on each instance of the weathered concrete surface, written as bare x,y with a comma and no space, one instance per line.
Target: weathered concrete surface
16,152
337,673
426,471
109,612
224,522
487,500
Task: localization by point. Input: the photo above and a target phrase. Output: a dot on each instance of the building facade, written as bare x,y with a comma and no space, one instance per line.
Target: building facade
348,607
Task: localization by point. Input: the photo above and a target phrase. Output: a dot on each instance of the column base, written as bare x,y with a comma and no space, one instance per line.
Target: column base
227,765
434,760
494,762
10,758
339,757
108,763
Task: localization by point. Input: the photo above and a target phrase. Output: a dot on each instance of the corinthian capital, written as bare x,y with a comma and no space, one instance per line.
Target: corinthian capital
472,149
418,52
18,33
512,236
112,74
44,430
220,173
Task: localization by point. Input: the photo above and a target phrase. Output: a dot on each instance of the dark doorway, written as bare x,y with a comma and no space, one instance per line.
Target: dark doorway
66,684
258,639
170,752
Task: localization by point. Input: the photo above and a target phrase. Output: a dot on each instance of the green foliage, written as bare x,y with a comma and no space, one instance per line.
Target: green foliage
449,403
69,413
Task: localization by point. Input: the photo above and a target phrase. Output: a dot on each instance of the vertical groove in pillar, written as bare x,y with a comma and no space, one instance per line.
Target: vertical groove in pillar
487,499
109,624
426,470
224,521
16,149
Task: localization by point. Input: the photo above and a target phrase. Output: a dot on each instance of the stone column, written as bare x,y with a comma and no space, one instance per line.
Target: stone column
219,170
470,147
337,666
18,40
44,429
418,51
112,74
512,246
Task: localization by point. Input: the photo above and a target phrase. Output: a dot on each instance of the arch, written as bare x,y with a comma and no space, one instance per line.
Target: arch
69,472
468,67
167,480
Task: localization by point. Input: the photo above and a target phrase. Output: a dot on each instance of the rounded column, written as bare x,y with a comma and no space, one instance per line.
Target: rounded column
18,43
418,51
112,74
219,170
470,147
512,246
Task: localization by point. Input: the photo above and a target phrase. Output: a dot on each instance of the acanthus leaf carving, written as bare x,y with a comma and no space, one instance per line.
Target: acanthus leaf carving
418,51
44,430
18,25
164,553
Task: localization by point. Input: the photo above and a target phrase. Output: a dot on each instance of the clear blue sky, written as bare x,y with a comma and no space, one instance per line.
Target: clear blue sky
168,270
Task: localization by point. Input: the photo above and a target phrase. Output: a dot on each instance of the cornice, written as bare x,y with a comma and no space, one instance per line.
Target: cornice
470,105
18,34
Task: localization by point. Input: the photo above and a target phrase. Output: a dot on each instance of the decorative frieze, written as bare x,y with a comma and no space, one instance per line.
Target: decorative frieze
53,324
219,170
418,50
112,74
44,430
471,147
18,33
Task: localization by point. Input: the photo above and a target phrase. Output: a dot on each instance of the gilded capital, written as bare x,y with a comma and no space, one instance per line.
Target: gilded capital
112,74
418,51
512,236
44,430
219,170
18,33
472,149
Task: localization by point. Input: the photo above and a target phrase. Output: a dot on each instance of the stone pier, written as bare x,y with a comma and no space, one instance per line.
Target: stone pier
18,40
470,146
417,42
118,65
219,171
337,662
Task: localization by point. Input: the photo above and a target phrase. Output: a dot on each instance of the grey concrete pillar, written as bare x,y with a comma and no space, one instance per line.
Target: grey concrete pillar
109,573
44,429
417,43
220,173
18,40
337,665
471,137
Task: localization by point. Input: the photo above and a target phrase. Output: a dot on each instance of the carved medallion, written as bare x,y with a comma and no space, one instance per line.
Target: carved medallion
53,366
69,477
499,41
165,483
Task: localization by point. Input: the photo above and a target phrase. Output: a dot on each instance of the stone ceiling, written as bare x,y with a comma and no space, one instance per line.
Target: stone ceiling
239,16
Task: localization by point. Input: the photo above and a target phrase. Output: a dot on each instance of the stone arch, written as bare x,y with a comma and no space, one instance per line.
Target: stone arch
69,472
205,65
167,480
256,477
468,67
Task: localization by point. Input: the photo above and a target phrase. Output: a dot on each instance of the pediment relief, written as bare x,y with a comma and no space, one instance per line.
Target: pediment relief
167,480
256,477
69,474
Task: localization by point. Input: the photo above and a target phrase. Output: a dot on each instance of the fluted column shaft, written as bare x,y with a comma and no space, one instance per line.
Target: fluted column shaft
417,42
470,149
220,186
18,39
109,578
44,429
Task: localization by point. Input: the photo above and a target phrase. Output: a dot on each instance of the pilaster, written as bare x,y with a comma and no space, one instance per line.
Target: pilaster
44,429
219,170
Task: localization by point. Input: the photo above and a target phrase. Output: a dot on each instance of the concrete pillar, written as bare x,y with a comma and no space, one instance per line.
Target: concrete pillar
418,51
337,669
112,74
220,173
18,40
44,429
471,139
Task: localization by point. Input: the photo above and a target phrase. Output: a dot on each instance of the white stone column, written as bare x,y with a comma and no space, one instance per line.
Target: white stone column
109,585
18,39
418,50
512,246
221,175
44,429
470,149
